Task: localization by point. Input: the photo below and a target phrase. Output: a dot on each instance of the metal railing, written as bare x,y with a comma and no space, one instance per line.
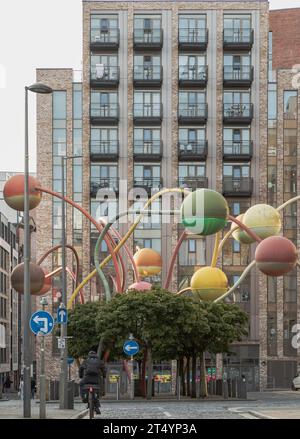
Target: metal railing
147,73
238,185
107,35
105,73
148,148
148,183
147,36
193,35
147,110
104,147
103,183
105,110
193,182
237,148
195,73
192,110
192,148
238,36
232,110
240,73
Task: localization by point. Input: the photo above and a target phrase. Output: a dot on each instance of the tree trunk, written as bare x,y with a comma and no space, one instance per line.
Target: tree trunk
150,374
194,372
188,384
182,377
143,382
203,383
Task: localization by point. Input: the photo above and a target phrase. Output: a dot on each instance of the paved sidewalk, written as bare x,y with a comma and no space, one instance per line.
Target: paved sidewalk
277,414
13,409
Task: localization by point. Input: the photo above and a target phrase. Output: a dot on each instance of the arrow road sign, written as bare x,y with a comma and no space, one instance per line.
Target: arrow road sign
62,316
41,322
131,347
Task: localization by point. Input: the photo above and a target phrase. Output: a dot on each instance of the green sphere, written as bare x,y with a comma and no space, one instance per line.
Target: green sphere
204,212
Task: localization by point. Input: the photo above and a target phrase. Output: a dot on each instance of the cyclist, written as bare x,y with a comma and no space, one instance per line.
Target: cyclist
92,371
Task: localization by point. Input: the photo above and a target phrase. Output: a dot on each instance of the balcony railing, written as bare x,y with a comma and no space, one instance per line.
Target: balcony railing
104,113
238,113
193,182
149,184
192,150
238,38
104,76
193,39
147,76
147,150
238,76
192,113
237,187
242,150
110,183
147,38
108,38
104,150
147,113
193,76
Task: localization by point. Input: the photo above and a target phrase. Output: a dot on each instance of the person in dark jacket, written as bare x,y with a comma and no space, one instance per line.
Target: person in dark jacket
92,371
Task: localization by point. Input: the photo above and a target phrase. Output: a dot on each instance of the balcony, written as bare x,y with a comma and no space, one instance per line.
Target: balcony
193,183
111,184
107,114
105,39
151,39
241,76
193,39
238,113
192,151
144,76
238,39
190,114
193,76
147,151
237,187
105,76
150,185
147,114
102,151
237,151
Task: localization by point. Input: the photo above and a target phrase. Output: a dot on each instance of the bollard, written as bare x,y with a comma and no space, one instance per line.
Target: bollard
225,389
243,388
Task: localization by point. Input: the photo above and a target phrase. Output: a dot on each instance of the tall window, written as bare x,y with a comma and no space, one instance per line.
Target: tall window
192,28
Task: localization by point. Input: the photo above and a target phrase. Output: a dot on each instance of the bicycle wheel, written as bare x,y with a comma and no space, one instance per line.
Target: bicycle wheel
91,405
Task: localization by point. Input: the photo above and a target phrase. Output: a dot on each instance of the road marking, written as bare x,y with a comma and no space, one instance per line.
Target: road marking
167,414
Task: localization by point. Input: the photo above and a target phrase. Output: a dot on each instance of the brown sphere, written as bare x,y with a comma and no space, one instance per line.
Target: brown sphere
37,278
47,284
13,192
276,256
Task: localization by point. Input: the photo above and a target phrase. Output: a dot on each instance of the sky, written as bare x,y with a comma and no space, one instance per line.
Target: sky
31,39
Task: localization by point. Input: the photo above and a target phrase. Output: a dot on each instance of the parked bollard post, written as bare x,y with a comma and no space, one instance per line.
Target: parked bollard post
243,388
118,384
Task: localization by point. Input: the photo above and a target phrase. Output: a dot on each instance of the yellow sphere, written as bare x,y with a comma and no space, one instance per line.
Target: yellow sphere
262,219
209,283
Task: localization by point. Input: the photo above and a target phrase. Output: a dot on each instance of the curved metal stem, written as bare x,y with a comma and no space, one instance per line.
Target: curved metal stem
284,205
245,228
173,259
216,248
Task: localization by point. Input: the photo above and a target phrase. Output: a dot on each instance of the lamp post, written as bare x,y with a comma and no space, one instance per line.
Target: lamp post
63,383
39,89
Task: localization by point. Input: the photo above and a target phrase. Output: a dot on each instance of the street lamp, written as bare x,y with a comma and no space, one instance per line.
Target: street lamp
63,391
39,89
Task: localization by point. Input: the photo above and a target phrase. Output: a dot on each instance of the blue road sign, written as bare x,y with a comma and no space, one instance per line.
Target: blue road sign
62,316
70,360
41,322
131,347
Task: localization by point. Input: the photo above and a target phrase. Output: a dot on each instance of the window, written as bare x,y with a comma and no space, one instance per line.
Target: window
147,29
104,28
236,246
147,104
290,104
104,67
147,141
272,101
147,67
237,67
192,104
192,67
237,28
104,104
192,246
192,28
104,140
236,171
147,175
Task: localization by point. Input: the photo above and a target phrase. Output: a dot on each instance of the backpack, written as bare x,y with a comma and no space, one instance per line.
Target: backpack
93,366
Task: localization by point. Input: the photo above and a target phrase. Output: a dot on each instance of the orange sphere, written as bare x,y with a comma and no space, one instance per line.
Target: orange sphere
140,286
13,192
37,279
148,262
276,256
47,284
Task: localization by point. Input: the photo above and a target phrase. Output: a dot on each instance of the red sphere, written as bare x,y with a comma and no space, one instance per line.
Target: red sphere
37,278
140,286
13,192
47,284
276,256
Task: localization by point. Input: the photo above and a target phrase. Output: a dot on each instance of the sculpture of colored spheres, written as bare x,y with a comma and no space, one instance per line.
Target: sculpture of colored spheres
148,262
204,212
209,283
36,275
276,256
14,189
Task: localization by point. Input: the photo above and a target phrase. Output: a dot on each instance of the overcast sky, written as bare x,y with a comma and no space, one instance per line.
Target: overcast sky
38,33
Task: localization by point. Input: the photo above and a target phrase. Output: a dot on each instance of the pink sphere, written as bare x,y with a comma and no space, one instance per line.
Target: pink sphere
140,286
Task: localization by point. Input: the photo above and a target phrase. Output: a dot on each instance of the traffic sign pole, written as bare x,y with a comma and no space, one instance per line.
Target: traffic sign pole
42,374
132,378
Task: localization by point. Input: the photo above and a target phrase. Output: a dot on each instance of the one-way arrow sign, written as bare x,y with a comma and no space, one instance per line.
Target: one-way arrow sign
131,347
62,316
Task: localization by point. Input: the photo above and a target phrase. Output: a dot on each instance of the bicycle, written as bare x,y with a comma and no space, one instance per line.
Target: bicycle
93,398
